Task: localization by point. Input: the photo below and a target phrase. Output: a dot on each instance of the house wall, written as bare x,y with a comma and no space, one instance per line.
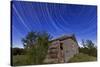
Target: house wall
70,48
53,52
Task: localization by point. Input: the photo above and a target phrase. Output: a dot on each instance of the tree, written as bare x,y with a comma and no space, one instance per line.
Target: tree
30,39
83,43
89,48
89,44
36,44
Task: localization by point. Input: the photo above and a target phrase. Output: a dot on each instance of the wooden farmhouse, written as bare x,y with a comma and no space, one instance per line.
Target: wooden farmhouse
62,49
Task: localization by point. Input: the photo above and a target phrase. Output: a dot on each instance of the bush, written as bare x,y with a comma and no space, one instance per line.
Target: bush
18,51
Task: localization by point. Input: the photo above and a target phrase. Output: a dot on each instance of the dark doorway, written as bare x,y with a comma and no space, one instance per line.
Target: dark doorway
61,53
61,46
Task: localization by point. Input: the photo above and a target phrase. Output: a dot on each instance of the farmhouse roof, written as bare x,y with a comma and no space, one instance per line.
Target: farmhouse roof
63,37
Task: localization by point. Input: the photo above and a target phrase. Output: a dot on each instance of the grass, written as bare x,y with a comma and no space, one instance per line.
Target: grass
20,60
82,58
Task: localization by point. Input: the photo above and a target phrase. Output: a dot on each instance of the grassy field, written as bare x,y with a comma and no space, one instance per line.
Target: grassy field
82,58
20,60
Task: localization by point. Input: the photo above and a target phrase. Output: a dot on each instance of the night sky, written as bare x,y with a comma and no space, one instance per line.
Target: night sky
56,19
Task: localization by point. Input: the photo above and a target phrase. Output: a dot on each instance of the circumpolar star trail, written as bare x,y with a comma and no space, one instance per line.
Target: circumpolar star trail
22,21
57,19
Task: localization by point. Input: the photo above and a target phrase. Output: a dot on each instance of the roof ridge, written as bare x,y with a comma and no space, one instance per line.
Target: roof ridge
62,37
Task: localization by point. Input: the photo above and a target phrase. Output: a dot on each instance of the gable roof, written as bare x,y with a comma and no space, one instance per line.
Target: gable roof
63,37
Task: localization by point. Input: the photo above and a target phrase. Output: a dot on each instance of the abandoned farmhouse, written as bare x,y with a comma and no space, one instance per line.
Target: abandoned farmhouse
62,49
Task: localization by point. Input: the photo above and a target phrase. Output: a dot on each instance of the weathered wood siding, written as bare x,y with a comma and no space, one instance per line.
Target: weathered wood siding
56,54
70,48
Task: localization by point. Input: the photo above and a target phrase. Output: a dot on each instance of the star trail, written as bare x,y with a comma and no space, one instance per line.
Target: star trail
55,18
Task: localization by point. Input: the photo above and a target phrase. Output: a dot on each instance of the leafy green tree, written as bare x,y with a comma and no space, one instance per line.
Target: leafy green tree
30,39
36,45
